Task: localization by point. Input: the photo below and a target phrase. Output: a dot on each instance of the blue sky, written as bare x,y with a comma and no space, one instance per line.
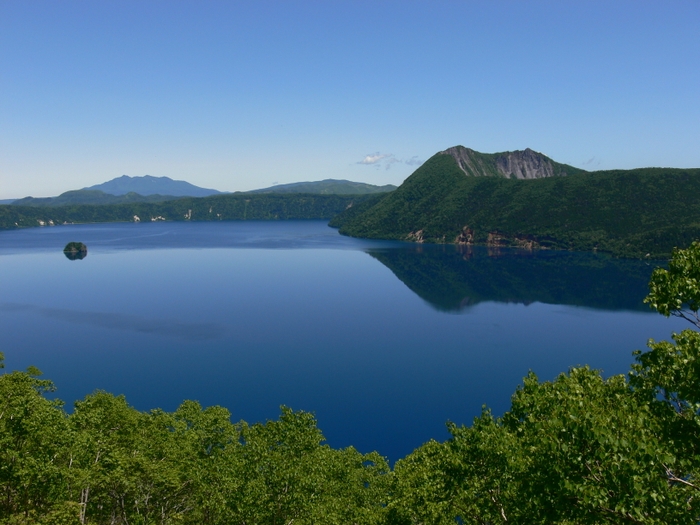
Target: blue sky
242,95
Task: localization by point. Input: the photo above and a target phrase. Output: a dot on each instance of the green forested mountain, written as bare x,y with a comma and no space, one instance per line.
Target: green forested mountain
625,212
327,187
581,449
219,207
95,197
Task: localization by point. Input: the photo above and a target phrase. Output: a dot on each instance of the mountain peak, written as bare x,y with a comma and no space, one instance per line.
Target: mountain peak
520,164
150,185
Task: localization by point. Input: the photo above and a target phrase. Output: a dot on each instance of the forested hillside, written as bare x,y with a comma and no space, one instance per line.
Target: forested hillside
624,212
97,197
327,187
215,208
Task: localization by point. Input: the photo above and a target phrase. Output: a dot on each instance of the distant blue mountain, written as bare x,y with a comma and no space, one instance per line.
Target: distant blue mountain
148,185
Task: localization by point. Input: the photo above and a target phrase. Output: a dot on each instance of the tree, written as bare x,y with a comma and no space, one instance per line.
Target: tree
34,442
580,449
676,291
668,376
291,477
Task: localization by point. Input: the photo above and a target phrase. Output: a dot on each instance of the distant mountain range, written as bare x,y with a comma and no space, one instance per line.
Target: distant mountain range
459,196
125,190
328,187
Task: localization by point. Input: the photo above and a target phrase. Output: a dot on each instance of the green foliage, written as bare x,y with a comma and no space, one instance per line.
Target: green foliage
75,247
94,197
33,445
594,453
354,209
628,213
240,206
581,449
109,463
291,477
669,375
676,290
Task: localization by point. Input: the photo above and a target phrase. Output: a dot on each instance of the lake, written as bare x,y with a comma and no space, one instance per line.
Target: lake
383,341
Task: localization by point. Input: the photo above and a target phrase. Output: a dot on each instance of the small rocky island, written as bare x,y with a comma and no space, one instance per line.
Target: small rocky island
75,250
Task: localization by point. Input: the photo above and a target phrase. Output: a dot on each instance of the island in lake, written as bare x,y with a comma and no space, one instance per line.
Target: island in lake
75,251
459,196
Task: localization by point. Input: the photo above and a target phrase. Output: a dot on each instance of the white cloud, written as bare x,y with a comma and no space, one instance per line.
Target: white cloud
374,158
387,160
414,161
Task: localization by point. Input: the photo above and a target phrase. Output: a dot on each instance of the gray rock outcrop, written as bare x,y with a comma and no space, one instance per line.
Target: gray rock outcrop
525,164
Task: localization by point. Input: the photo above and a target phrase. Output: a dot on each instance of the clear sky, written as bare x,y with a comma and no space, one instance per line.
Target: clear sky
241,95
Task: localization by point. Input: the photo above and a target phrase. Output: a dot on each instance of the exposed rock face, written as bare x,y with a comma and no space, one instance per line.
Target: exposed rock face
466,237
416,236
527,164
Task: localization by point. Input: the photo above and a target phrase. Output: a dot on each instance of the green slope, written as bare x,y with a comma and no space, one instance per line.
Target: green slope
327,187
218,207
628,213
95,197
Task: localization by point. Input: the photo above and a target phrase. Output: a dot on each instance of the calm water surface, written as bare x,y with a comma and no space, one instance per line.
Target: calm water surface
384,341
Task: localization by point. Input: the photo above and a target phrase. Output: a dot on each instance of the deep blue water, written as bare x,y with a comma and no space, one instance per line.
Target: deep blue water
384,341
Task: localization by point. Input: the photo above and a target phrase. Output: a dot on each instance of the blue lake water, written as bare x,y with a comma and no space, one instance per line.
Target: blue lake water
383,341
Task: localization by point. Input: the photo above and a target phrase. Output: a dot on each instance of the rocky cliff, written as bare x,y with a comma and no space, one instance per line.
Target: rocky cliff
526,164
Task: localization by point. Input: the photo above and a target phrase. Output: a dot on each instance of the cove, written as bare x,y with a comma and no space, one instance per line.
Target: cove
383,341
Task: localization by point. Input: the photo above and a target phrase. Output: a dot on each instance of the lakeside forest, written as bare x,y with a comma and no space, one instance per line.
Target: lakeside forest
628,213
580,449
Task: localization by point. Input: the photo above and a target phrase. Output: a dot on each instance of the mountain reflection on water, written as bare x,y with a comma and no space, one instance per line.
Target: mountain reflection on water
254,315
453,278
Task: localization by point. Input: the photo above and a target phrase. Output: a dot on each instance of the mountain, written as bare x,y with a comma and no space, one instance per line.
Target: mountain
525,199
93,197
148,185
327,187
